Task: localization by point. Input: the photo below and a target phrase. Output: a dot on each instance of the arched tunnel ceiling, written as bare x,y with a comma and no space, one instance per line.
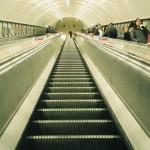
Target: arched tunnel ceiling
48,12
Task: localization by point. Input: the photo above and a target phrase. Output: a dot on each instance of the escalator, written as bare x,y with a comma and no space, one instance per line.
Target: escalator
71,114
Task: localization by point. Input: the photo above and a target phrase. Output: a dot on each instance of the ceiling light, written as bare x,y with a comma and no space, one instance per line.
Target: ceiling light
84,9
53,8
68,3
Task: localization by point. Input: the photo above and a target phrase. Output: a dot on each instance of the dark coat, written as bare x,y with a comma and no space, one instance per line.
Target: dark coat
48,30
127,36
137,35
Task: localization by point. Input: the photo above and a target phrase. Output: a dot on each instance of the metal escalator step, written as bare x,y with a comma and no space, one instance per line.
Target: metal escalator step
69,73
69,54
70,57
70,67
70,84
69,64
72,114
70,61
72,127
70,70
71,76
72,103
71,80
93,95
75,137
76,142
70,89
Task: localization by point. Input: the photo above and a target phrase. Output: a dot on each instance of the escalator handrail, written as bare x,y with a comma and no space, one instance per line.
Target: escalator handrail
128,58
10,62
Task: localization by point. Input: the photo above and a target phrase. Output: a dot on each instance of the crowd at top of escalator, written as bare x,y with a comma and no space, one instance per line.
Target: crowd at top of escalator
50,30
135,31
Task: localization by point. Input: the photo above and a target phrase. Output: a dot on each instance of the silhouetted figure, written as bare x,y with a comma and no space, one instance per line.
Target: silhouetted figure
110,31
70,33
48,31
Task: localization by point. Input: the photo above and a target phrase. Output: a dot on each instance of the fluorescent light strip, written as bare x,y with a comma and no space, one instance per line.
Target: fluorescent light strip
68,3
83,10
53,8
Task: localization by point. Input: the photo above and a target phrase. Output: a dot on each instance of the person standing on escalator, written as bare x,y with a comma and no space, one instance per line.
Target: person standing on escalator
139,32
70,34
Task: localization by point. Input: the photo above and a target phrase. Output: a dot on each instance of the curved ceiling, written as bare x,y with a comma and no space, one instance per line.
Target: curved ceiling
44,12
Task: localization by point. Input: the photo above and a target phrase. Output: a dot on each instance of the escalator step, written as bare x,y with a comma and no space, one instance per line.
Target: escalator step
75,67
71,80
71,89
70,61
70,76
71,73
93,95
72,127
70,142
72,103
72,114
69,64
70,84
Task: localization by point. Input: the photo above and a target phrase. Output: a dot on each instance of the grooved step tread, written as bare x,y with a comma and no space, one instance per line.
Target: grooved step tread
72,109
69,95
72,121
73,100
70,76
75,137
72,79
72,82
73,73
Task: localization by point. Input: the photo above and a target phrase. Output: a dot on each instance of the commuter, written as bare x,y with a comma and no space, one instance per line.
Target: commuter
131,25
94,29
110,31
52,30
144,29
48,31
97,29
138,34
90,31
128,29
70,34
100,30
127,36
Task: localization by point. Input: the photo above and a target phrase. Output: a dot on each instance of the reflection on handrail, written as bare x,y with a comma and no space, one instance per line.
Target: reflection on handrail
10,62
126,48
128,57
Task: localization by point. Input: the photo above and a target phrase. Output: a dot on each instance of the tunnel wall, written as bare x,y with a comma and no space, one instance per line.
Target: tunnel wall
17,82
69,24
130,83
